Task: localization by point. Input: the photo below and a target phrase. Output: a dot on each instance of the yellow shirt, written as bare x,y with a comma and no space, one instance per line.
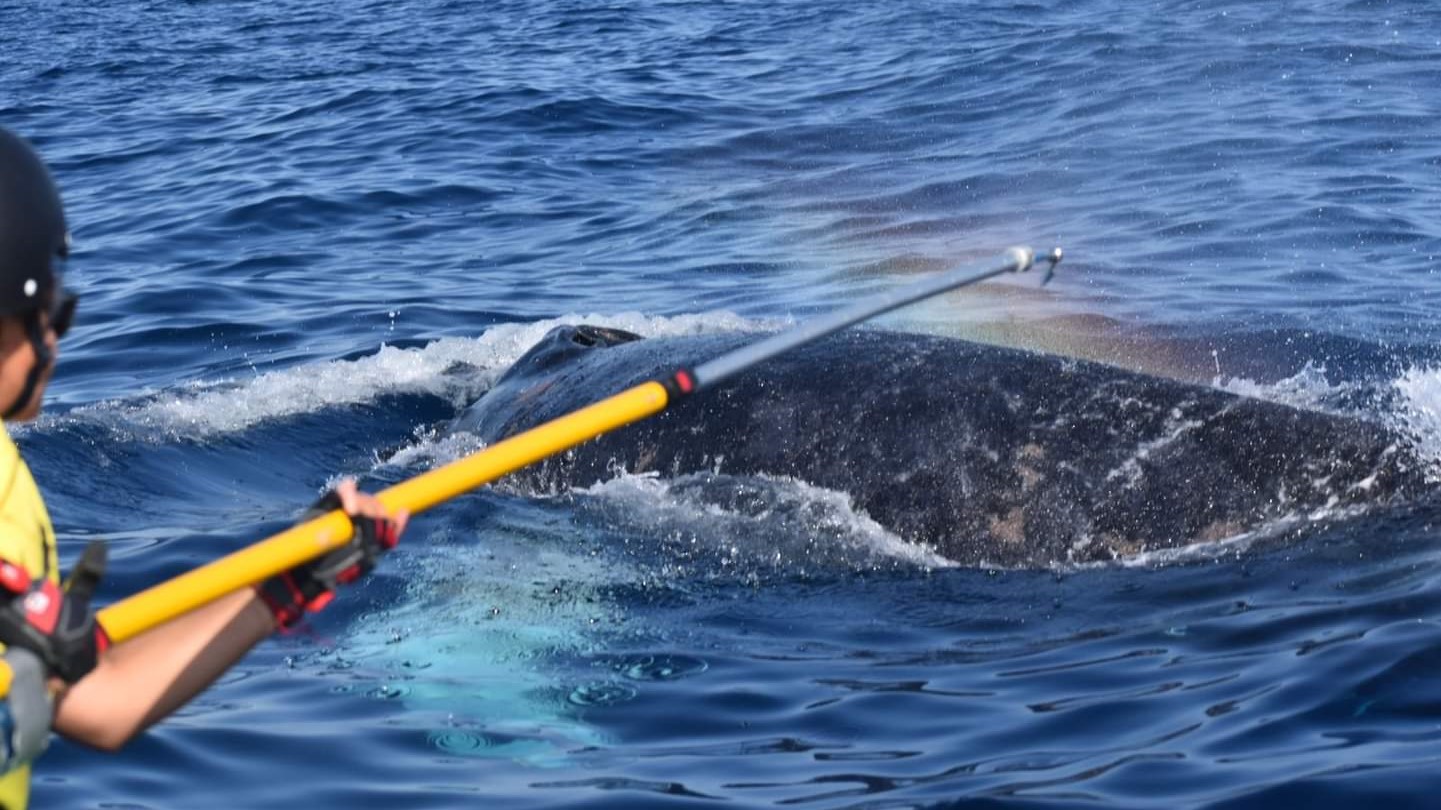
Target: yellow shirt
27,539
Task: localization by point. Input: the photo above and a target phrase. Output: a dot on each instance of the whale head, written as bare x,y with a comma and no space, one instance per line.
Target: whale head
563,345
525,384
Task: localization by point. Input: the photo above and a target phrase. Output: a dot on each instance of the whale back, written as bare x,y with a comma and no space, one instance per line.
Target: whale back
986,454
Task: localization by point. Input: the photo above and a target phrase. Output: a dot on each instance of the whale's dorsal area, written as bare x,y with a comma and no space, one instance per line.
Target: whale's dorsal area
986,454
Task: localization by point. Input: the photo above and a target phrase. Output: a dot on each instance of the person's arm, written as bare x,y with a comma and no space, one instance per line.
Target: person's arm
140,682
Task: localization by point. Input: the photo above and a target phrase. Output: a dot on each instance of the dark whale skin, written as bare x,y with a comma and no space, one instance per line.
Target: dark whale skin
986,454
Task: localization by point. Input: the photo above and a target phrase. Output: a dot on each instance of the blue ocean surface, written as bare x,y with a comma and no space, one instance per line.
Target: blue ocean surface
307,235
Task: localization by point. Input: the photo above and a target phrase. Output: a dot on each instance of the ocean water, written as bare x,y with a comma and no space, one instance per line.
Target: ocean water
307,235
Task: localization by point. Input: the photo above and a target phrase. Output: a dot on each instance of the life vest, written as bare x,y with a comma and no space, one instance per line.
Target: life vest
27,539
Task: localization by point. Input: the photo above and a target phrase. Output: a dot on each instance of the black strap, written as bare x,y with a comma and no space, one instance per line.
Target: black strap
43,359
87,572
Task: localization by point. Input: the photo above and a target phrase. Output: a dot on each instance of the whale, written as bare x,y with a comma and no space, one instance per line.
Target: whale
984,454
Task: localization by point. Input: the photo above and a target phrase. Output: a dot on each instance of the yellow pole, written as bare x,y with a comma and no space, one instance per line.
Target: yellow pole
168,600
131,617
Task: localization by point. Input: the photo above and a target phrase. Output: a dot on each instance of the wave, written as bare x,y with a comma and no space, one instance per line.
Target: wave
456,369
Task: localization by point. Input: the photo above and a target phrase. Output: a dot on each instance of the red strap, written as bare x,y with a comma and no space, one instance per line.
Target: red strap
13,578
42,607
389,537
318,603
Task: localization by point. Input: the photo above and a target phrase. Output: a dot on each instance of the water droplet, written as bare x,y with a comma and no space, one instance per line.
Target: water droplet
662,667
389,692
459,741
609,693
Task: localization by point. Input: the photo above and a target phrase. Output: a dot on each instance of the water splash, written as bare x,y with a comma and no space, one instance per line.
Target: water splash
748,528
1307,389
432,448
455,369
1417,414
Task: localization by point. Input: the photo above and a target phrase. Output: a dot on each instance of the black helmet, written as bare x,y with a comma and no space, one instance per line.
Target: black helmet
32,238
33,235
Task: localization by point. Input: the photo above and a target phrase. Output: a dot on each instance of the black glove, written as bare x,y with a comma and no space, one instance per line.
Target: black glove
309,587
54,623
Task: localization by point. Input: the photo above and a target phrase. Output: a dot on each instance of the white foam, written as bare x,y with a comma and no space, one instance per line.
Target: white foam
761,521
433,449
1409,405
1417,414
458,369
1130,469
1307,389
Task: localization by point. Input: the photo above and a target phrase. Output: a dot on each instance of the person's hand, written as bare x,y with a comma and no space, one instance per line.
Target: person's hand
310,587
55,623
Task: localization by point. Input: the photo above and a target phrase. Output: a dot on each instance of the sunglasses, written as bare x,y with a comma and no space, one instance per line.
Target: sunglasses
62,312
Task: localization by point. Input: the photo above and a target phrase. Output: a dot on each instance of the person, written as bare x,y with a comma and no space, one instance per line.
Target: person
64,674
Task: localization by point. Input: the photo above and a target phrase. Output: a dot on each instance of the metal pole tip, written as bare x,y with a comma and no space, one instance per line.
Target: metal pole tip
1054,258
1021,258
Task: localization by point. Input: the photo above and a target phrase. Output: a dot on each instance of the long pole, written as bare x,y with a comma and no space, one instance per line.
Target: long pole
306,541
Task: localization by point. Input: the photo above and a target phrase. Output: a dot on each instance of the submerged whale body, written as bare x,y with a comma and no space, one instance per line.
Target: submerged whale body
986,454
